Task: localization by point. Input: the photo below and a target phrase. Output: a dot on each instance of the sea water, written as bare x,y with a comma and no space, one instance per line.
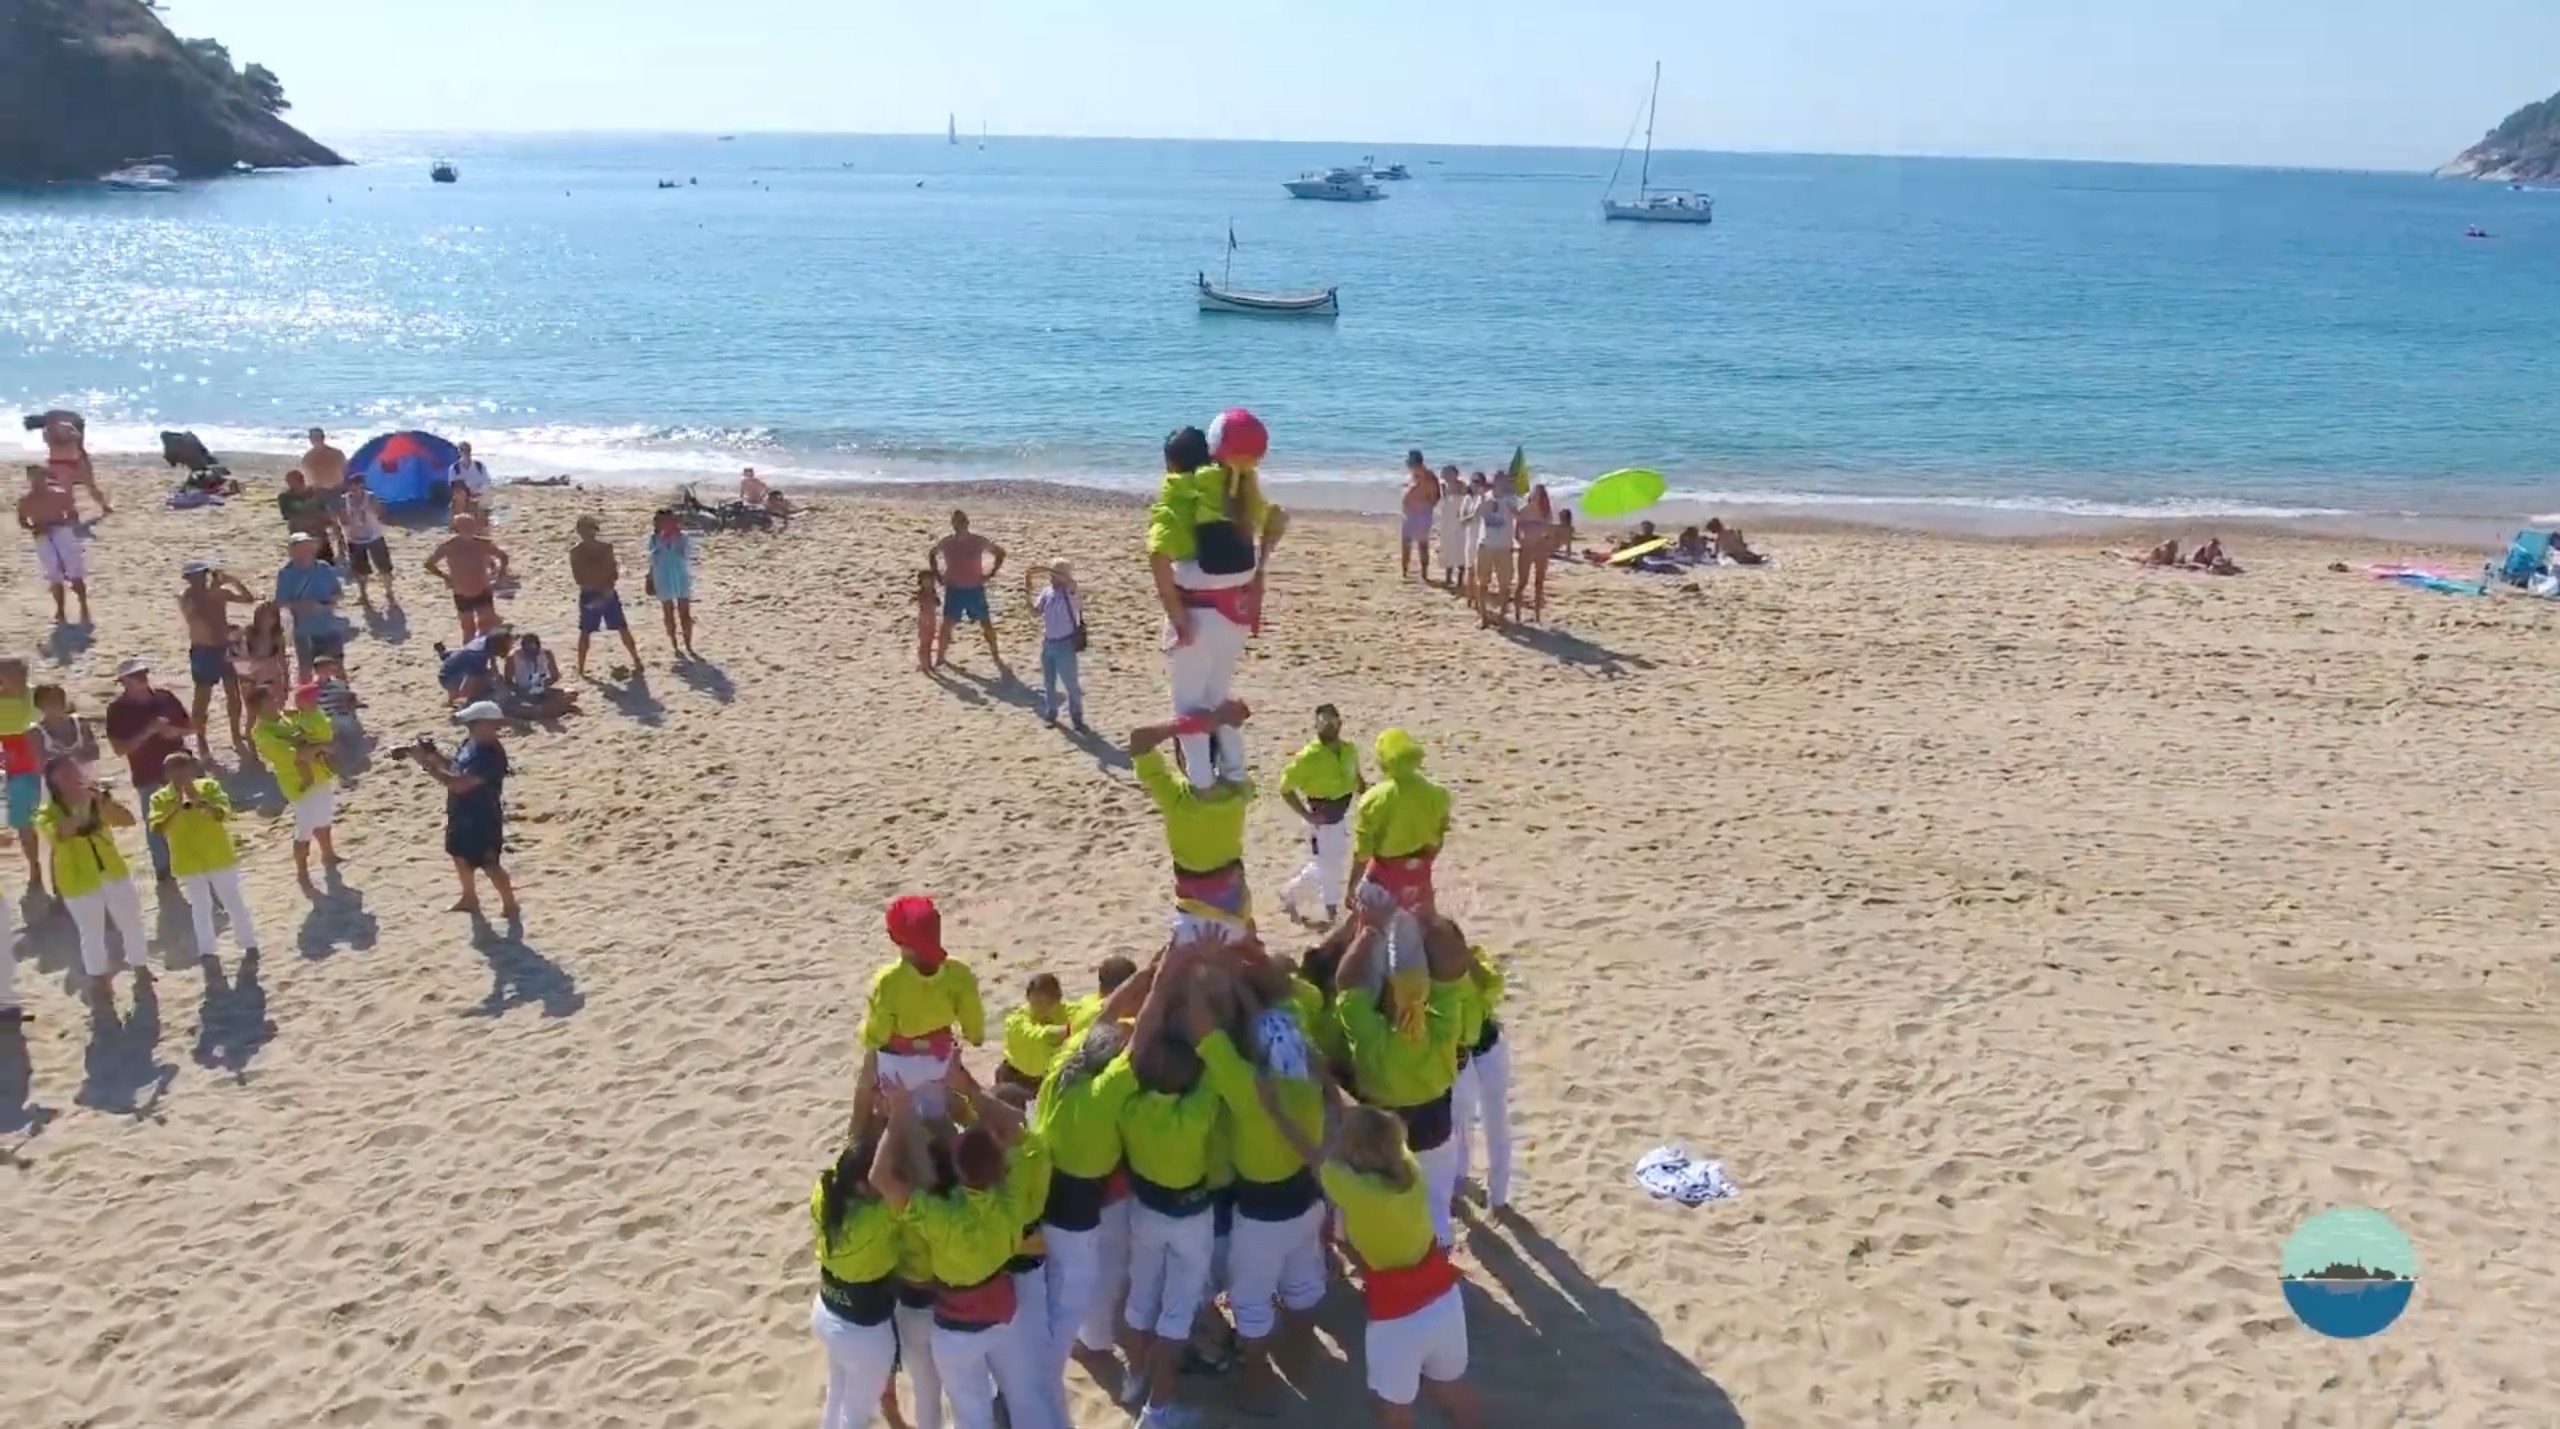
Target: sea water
1852,334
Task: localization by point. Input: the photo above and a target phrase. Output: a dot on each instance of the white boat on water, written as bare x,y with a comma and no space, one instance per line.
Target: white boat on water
1223,296
1215,298
1369,166
1652,205
151,177
1336,186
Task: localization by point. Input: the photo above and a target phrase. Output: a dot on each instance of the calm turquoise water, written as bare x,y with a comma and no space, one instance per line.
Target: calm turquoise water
1982,335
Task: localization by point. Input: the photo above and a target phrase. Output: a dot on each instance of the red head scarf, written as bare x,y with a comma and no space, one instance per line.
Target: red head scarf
915,925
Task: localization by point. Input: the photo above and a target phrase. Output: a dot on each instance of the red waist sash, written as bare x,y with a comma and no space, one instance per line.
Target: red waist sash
1394,1294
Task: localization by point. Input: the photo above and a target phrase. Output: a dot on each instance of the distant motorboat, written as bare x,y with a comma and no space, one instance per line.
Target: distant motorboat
2477,232
1336,186
1369,166
1653,205
1216,299
151,177
444,172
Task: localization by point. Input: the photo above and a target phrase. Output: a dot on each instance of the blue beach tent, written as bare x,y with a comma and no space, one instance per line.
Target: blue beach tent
405,468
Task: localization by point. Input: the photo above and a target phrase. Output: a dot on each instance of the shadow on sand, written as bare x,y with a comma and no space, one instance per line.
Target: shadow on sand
337,919
387,623
708,678
1570,649
520,976
233,1024
633,701
21,1115
1573,1352
69,642
121,1071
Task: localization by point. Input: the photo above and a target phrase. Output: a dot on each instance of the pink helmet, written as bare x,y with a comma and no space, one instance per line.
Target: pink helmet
1238,436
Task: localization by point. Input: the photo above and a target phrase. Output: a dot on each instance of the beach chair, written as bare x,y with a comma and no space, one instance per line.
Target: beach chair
2525,557
185,449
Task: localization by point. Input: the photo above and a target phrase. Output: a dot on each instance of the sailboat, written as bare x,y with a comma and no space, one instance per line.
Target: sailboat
1654,205
955,129
982,136
1220,297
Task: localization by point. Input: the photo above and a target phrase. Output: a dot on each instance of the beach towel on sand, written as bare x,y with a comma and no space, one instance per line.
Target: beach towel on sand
1670,1173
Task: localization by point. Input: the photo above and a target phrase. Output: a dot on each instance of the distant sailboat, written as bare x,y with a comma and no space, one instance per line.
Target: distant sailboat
982,136
955,129
1655,205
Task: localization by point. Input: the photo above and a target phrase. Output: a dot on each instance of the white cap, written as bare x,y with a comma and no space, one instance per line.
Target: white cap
477,711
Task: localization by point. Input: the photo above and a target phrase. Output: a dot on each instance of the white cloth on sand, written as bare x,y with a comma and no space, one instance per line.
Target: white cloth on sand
1671,1173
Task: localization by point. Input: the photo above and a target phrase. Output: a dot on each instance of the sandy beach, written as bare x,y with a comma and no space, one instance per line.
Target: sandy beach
2037,940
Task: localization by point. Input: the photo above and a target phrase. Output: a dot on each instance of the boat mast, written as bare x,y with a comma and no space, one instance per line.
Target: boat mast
1645,175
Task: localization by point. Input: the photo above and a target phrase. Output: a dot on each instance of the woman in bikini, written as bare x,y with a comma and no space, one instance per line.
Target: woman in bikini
262,654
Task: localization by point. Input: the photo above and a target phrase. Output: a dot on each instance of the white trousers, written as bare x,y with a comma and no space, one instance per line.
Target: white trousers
1203,672
1328,868
917,1072
1168,1270
316,810
1044,1405
1440,1178
1430,1343
975,1364
1274,1261
222,886
1087,1271
1484,1095
916,1357
860,1359
91,912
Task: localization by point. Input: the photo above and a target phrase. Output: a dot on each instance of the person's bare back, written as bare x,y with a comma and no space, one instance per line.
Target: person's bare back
963,559
593,566
324,465
207,609
469,564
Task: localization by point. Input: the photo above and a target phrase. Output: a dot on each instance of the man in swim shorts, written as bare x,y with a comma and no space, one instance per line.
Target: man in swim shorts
965,562
472,566
205,606
1421,494
599,576
48,514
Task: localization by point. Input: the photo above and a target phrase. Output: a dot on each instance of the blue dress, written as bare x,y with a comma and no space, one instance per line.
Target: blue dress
671,566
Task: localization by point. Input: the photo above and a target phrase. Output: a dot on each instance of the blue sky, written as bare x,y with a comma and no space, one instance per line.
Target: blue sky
2330,83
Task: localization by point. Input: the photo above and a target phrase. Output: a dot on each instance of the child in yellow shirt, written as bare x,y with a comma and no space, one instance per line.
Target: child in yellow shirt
1033,1035
917,1003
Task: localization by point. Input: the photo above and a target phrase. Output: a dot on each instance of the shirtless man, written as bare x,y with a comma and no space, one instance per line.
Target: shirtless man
472,567
965,561
205,605
325,467
1421,494
49,514
599,575
66,457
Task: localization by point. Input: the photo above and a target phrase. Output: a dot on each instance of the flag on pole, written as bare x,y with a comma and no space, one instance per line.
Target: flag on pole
1519,472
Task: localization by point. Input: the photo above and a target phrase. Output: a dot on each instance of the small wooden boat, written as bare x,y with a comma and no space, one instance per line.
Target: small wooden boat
444,172
1216,299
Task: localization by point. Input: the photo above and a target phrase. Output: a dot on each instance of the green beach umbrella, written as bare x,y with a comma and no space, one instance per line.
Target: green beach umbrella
1519,472
1622,493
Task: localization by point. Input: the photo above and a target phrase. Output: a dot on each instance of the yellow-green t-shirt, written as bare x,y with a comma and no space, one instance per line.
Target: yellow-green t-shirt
1400,817
1259,1152
17,714
1189,498
1322,771
1080,1122
1390,1229
199,836
1392,1071
1204,830
278,737
1166,1137
969,1235
864,1247
1031,1046
1323,1028
82,863
907,1003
